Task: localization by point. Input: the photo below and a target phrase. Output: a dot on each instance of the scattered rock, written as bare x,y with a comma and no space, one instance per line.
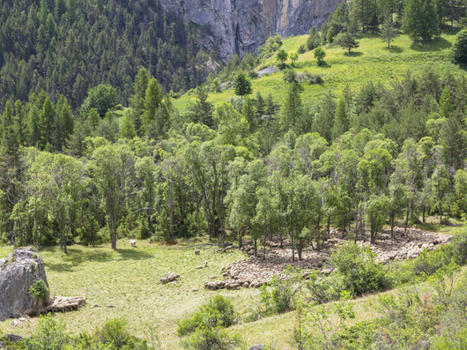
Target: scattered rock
64,304
133,243
110,306
12,338
194,289
95,306
18,272
256,271
225,249
267,71
197,252
215,285
170,277
258,347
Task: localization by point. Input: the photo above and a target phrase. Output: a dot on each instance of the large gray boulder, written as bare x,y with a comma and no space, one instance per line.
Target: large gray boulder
17,273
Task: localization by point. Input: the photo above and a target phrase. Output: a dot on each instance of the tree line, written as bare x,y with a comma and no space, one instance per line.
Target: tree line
383,154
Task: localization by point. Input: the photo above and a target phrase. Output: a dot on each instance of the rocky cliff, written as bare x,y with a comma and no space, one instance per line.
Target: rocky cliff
240,26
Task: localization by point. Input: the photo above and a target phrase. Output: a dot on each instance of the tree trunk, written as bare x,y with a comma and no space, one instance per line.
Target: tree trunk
293,250
256,247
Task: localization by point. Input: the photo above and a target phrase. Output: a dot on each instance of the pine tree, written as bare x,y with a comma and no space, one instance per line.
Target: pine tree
127,129
388,31
292,109
46,121
446,106
152,104
9,134
242,85
341,119
421,20
137,100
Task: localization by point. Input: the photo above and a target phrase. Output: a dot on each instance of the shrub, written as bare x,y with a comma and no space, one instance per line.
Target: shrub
301,49
289,76
459,248
325,289
429,262
217,312
360,271
315,79
212,339
115,333
279,294
49,335
39,289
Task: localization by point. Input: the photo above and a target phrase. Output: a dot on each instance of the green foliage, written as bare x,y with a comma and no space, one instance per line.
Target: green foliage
282,57
102,97
320,54
279,295
459,50
48,50
359,268
347,41
242,85
218,312
421,20
212,339
388,31
49,335
39,290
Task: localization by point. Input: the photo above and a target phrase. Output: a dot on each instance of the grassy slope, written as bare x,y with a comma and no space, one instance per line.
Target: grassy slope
129,280
372,61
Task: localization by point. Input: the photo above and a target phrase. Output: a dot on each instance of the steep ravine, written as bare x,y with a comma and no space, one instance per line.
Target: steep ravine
241,26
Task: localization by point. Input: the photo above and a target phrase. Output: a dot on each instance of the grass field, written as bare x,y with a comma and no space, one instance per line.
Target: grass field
372,61
128,280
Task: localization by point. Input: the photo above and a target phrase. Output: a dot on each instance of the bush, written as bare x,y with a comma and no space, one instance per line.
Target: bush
315,79
429,262
360,271
212,339
39,290
289,76
218,312
49,335
279,294
115,333
459,248
324,289
302,49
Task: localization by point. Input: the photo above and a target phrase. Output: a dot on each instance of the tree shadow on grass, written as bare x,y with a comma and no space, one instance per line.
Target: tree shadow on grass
437,44
394,49
76,257
353,54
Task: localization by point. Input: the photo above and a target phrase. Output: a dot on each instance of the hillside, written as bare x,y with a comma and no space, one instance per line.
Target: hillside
372,62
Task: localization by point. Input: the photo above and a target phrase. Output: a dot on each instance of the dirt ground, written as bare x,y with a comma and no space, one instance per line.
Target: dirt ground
255,271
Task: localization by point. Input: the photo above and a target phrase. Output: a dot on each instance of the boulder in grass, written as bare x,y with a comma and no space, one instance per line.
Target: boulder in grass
170,277
18,272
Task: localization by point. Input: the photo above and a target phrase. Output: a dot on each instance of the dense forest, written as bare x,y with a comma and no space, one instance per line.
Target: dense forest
66,47
253,166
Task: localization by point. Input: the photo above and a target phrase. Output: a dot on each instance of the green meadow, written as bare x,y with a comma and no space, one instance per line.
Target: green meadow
371,62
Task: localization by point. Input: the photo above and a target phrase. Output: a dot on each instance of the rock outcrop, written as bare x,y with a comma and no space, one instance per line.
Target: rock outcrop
239,26
17,273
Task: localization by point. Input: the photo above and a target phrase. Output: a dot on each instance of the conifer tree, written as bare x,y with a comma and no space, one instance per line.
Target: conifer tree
341,119
127,129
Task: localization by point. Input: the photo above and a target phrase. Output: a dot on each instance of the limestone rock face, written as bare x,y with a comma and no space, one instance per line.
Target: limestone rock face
17,273
241,26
